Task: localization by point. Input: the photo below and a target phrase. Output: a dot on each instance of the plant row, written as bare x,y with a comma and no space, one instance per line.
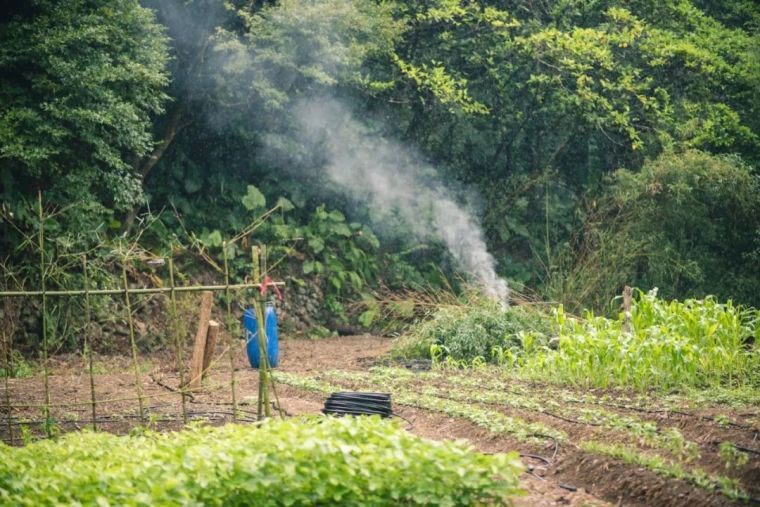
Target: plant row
308,461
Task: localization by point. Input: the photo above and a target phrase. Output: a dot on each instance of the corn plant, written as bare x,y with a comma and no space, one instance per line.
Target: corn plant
668,345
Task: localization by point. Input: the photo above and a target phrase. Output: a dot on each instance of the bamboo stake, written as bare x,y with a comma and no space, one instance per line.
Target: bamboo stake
138,386
8,360
229,326
263,401
41,239
176,339
87,341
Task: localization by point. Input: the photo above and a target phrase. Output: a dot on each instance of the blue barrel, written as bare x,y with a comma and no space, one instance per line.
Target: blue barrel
252,336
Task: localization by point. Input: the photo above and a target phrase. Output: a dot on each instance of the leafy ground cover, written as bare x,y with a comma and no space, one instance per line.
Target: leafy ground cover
351,461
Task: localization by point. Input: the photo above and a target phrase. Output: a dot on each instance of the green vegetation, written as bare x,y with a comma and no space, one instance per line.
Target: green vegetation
477,328
609,143
671,454
666,345
659,465
350,461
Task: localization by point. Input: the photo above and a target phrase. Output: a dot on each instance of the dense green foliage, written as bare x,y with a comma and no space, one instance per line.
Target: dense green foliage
666,344
80,85
609,142
350,461
481,330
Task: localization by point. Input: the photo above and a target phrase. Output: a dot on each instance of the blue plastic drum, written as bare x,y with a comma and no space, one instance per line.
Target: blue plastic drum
250,325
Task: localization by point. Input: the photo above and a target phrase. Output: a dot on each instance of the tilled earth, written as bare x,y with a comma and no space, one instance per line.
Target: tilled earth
565,473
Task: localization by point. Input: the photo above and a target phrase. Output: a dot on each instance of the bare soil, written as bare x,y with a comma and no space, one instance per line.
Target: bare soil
574,477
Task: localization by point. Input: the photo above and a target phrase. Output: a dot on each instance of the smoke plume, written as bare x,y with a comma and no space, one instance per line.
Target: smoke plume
394,181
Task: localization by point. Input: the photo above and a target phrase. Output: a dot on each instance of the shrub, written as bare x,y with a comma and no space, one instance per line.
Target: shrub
476,330
687,223
314,461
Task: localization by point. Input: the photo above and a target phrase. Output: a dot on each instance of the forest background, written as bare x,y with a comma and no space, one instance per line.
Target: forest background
599,143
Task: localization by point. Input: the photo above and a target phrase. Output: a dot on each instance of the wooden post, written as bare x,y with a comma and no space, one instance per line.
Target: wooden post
199,345
627,301
212,335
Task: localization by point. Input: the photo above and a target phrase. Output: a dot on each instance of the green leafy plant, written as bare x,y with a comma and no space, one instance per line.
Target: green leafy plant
670,344
475,329
733,457
324,460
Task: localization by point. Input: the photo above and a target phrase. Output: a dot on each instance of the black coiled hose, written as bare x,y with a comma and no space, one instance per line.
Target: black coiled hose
348,403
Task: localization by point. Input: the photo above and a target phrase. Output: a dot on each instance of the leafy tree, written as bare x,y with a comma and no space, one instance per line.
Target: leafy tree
80,85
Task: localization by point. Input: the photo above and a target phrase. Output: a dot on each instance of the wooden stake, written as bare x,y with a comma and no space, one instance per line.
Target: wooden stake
199,345
627,301
211,338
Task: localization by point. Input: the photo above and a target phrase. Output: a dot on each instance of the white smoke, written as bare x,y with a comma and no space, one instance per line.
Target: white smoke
393,180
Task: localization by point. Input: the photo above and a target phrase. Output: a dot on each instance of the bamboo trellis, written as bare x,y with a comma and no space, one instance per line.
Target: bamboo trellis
265,379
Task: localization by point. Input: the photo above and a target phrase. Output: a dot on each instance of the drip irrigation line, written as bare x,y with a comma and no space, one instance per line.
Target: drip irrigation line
172,389
410,423
123,417
535,456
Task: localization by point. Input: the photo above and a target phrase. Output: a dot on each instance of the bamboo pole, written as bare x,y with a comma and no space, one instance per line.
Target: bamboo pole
8,363
229,326
87,341
177,339
137,290
46,372
133,343
263,401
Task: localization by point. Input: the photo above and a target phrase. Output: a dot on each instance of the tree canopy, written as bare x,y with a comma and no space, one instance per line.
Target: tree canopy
587,130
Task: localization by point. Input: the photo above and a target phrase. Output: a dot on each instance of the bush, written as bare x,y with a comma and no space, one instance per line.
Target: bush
477,330
315,461
688,223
